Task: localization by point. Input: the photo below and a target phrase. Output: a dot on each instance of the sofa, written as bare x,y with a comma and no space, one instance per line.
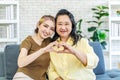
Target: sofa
2,66
8,62
11,54
101,73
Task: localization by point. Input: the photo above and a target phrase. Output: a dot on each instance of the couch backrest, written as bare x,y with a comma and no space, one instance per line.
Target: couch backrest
11,55
100,69
12,52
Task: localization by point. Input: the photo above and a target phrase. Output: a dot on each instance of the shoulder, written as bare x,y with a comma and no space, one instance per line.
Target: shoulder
47,40
26,43
27,39
83,40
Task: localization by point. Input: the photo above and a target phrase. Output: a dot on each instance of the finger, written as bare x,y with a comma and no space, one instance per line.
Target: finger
63,44
67,51
53,49
64,51
55,43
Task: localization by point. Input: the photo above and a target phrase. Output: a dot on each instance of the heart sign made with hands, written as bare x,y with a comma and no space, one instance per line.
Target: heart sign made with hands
58,48
61,48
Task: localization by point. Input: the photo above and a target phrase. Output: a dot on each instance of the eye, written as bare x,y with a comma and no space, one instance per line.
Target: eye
45,26
53,29
59,24
66,23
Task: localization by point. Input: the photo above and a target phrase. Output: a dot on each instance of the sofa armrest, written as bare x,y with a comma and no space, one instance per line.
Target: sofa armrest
11,56
2,74
100,69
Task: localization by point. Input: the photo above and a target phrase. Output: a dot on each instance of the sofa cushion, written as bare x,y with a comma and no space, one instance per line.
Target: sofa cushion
113,74
102,77
100,69
11,55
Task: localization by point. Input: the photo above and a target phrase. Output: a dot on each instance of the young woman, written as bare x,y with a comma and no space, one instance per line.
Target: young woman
74,58
33,60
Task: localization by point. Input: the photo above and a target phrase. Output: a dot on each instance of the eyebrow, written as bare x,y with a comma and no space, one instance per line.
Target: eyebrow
46,24
63,22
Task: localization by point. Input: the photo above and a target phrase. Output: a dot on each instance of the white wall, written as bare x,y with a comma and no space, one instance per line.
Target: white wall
32,10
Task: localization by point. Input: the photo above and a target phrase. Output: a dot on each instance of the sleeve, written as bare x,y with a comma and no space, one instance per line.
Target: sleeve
26,44
52,74
92,58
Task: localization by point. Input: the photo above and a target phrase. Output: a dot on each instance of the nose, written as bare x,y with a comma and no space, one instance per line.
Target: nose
48,31
62,27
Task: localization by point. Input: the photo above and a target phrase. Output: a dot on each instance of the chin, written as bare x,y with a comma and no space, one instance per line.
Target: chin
64,35
44,37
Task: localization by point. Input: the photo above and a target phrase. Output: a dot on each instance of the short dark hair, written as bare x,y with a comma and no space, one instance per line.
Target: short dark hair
73,34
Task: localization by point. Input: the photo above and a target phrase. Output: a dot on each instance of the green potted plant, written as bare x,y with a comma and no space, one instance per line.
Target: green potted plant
118,12
99,34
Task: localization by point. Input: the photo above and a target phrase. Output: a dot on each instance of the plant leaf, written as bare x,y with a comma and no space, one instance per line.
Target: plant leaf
94,9
95,36
105,7
79,26
92,21
103,44
99,23
102,35
91,29
105,30
79,32
104,14
80,21
98,17
98,13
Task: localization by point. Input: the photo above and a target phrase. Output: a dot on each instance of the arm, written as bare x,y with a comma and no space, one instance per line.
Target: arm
24,59
59,78
87,57
84,52
91,58
81,56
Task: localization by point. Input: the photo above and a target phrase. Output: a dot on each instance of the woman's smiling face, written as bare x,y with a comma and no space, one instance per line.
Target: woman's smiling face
46,29
63,26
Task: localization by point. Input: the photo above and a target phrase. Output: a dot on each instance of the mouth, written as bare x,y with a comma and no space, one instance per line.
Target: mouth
63,31
45,34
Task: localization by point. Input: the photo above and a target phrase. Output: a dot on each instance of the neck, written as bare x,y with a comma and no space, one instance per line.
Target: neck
64,39
37,39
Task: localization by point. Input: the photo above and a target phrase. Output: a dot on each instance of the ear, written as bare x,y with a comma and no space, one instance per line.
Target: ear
38,26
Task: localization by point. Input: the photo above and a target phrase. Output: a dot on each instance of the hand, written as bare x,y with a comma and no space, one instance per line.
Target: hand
59,78
66,48
50,47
